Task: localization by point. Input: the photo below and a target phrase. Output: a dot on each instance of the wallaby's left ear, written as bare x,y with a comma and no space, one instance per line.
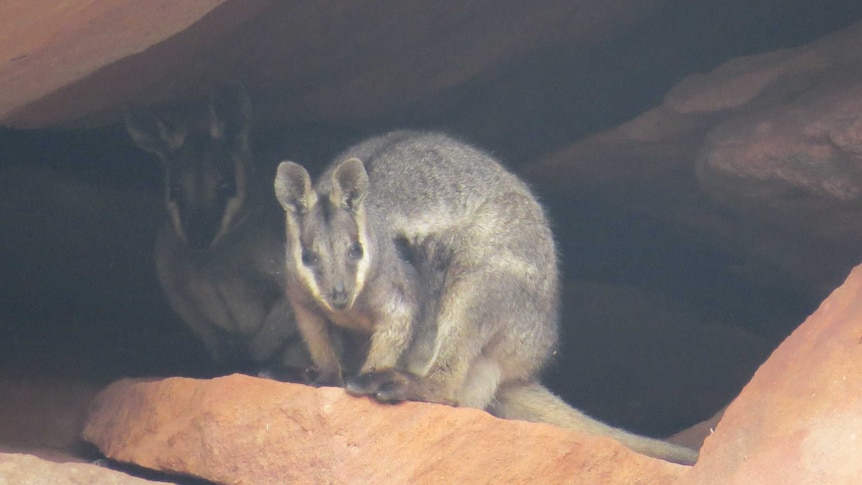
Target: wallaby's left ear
152,134
349,184
293,189
230,113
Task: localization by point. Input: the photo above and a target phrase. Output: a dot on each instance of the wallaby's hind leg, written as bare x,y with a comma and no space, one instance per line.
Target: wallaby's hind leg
469,354
533,402
456,347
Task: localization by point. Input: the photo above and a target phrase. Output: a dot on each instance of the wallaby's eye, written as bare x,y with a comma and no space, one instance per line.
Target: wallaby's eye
355,253
175,192
226,188
308,257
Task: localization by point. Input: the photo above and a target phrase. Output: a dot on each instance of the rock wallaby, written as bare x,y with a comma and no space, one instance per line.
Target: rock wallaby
446,260
220,256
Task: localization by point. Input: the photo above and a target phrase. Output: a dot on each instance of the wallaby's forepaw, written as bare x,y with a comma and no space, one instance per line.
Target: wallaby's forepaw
387,385
391,385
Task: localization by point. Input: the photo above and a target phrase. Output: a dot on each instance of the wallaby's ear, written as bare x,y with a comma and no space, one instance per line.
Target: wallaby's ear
230,113
293,188
151,134
349,184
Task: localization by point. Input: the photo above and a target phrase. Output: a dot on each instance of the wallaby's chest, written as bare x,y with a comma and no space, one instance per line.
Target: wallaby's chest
357,321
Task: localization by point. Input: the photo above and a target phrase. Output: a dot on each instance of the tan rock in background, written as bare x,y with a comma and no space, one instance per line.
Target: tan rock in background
759,158
46,45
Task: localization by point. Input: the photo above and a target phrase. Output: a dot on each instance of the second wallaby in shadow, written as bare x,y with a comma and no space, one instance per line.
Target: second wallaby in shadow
220,255
447,261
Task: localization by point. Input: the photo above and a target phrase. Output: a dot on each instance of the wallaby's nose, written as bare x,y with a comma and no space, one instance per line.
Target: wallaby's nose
339,297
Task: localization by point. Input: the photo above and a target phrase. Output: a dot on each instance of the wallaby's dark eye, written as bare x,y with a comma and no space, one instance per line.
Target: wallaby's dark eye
226,188
308,257
175,192
355,253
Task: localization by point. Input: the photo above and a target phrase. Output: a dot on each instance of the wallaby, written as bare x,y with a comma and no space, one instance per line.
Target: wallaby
447,261
220,256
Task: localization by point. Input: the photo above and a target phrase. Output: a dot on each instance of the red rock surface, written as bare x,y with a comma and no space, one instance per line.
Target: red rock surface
20,469
240,429
46,45
61,62
799,420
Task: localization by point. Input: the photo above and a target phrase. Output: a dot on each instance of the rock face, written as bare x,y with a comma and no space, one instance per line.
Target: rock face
47,45
18,469
762,157
316,61
240,429
798,420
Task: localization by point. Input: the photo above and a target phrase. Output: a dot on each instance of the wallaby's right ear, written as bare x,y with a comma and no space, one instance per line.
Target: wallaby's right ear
150,134
349,184
293,188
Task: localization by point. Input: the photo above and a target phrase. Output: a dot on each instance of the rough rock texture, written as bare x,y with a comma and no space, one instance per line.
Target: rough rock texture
240,429
20,469
761,157
799,419
316,60
46,45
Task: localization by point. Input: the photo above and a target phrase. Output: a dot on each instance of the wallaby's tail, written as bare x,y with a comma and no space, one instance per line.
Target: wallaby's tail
534,402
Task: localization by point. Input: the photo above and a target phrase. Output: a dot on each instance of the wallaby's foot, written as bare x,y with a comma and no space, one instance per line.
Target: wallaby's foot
392,385
387,385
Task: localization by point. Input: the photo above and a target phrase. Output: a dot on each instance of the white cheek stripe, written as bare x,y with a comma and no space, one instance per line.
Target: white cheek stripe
364,265
305,275
235,204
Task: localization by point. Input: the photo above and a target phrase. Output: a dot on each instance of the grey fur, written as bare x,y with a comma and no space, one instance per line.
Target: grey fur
459,291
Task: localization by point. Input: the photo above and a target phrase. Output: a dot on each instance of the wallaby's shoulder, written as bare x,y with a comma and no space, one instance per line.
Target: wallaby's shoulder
416,149
420,165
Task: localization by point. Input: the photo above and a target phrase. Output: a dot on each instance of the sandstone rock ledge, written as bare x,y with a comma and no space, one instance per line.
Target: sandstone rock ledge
24,469
239,429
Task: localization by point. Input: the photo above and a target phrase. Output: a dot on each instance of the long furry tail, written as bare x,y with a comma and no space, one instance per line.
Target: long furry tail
534,402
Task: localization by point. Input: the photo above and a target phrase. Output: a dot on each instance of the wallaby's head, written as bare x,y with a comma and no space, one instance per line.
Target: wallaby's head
207,164
329,248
